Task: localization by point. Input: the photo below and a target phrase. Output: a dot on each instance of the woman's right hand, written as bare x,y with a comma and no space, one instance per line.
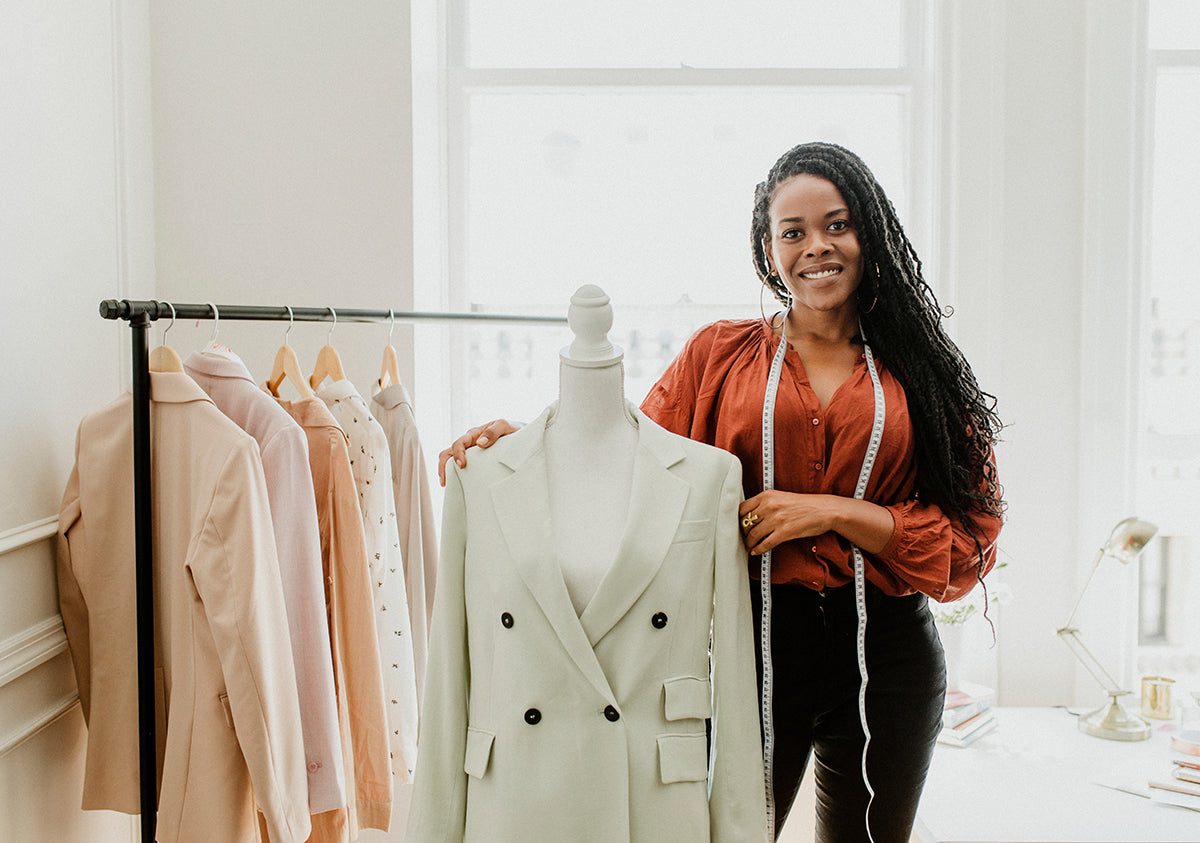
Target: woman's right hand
482,436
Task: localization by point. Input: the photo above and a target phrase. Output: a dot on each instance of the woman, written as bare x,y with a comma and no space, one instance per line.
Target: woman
826,242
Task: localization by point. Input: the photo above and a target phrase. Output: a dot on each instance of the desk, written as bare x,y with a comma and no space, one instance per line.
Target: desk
1033,778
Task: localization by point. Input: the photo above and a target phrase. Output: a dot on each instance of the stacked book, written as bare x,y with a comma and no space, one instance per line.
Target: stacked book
967,715
1181,784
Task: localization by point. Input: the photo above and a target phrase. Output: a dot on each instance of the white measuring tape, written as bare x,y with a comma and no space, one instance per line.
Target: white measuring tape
860,588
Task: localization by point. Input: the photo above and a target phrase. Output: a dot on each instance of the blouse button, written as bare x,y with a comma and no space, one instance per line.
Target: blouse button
816,421
817,466
814,550
506,620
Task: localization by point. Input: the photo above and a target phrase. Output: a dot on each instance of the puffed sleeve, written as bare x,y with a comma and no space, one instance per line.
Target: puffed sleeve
936,553
671,402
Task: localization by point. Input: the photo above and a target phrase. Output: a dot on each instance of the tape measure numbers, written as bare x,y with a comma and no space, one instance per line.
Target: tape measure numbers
860,598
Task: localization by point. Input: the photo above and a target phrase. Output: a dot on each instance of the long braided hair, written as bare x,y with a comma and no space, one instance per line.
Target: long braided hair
954,421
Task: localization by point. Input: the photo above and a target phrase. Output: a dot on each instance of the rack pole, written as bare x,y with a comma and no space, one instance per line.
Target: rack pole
139,325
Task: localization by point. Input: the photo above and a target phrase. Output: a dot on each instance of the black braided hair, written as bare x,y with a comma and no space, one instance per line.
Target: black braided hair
954,421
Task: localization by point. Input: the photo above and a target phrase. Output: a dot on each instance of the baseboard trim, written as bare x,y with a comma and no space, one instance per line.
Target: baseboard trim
27,534
32,646
51,715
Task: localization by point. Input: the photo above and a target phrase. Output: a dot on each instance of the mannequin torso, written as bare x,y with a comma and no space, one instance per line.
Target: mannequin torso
590,444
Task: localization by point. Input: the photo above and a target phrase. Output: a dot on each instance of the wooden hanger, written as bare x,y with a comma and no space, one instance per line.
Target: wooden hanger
390,373
287,365
328,363
163,358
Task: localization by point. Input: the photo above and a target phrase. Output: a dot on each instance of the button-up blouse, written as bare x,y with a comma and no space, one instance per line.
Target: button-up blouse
713,392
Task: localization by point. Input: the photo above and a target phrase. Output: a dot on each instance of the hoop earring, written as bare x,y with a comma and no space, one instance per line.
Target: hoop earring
874,302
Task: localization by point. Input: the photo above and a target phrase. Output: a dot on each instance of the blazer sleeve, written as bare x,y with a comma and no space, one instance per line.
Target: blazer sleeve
439,803
737,798
71,602
235,570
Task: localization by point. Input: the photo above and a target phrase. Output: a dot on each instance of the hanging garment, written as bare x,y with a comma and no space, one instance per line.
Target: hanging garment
393,409
371,465
541,724
356,671
284,451
229,729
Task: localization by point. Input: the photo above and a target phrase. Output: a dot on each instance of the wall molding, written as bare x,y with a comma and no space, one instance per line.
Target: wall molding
32,646
48,717
27,534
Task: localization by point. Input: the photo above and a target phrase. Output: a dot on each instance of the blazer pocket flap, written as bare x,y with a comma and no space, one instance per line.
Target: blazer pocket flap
226,710
693,531
479,752
682,758
687,696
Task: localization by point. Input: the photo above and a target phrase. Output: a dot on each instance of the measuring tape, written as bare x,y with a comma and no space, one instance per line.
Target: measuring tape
860,587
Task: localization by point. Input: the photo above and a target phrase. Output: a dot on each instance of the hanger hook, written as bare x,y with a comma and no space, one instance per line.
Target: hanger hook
172,325
216,321
392,314
329,336
291,322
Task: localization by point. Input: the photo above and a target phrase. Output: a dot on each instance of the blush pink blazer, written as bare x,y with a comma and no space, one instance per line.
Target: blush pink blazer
283,447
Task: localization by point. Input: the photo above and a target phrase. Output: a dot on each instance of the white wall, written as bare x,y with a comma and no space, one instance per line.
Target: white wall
282,169
76,226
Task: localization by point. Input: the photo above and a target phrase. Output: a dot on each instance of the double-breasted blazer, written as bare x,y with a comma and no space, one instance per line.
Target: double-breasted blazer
229,732
543,725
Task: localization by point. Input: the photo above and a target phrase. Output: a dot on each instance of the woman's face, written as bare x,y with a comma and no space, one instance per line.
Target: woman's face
814,245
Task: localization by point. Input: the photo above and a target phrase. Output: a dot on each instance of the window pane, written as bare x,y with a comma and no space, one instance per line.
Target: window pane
1169,459
1174,25
695,33
1173,385
647,194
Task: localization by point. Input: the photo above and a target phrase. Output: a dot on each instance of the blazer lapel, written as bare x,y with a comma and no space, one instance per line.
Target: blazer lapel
656,504
522,505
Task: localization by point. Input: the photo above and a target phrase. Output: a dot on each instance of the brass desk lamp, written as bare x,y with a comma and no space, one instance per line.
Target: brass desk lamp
1112,721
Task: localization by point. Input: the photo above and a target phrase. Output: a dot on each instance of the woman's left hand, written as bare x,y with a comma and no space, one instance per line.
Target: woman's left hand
770,518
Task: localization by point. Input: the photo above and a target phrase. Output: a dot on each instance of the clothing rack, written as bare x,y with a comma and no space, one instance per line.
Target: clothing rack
139,315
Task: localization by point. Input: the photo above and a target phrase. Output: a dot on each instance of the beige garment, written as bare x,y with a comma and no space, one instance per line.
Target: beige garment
352,632
229,723
370,462
393,408
544,724
283,447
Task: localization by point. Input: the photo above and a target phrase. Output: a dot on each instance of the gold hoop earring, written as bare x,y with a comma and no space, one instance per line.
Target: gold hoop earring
874,302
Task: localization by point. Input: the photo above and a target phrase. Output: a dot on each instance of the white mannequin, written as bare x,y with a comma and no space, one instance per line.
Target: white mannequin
591,439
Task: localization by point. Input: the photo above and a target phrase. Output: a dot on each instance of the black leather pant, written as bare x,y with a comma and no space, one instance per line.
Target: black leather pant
815,692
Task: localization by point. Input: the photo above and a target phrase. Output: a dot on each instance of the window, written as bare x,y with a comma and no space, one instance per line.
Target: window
619,144
1168,481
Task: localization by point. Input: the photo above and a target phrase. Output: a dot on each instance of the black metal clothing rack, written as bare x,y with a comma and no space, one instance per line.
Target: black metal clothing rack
140,314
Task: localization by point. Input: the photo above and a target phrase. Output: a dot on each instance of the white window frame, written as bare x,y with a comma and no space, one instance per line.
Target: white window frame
440,276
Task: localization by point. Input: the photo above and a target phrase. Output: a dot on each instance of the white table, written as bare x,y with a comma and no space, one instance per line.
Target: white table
1035,778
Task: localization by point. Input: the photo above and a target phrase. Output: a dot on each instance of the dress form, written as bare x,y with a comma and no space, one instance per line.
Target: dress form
591,439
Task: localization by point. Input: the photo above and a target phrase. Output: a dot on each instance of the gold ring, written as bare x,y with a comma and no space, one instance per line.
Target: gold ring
750,520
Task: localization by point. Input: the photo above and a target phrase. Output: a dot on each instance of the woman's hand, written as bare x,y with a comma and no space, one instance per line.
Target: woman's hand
770,518
482,436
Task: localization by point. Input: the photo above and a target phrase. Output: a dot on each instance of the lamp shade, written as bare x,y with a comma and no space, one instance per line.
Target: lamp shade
1128,539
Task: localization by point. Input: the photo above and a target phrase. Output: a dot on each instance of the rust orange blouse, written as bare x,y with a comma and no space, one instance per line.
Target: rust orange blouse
713,392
